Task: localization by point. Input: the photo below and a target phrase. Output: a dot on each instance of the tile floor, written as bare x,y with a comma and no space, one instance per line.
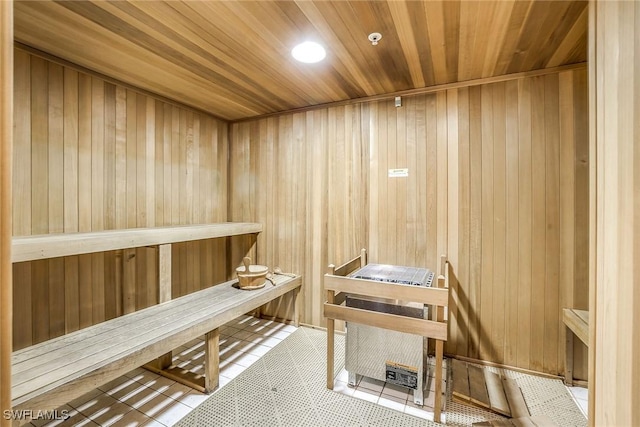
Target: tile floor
581,397
143,398
392,396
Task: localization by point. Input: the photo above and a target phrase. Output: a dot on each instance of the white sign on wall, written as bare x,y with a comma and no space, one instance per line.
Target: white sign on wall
398,173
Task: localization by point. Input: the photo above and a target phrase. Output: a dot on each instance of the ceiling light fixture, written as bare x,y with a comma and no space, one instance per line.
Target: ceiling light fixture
308,52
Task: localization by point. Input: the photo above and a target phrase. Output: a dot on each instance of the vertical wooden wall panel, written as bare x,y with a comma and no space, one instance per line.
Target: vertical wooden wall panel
6,137
493,178
92,155
614,84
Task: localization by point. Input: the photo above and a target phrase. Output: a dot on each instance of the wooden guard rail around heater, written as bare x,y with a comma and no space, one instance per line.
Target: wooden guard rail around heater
337,287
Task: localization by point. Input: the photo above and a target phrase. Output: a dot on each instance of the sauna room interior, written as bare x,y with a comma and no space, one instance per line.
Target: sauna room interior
148,147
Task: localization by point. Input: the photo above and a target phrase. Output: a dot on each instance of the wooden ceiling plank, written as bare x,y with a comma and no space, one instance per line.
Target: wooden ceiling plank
572,30
484,20
206,52
128,25
435,27
558,23
466,42
576,34
418,19
400,15
500,31
452,38
233,60
346,32
515,28
531,27
246,55
150,74
392,64
306,79
320,21
356,23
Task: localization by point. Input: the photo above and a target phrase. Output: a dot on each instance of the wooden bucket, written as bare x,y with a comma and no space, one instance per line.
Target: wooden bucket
251,276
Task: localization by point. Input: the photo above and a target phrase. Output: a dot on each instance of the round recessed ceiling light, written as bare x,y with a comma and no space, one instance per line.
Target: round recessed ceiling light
308,52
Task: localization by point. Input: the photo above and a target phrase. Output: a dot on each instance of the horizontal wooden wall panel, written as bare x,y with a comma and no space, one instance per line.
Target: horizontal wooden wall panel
91,155
497,180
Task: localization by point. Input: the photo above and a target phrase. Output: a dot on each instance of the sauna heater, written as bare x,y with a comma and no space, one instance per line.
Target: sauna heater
395,357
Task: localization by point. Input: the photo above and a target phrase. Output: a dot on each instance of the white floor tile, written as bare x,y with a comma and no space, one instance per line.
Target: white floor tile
366,395
391,403
343,388
193,399
580,392
232,370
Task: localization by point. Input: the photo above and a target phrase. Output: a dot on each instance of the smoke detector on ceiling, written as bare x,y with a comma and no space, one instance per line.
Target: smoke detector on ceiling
374,38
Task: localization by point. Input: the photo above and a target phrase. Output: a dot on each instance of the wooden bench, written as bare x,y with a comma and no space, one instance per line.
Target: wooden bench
52,373
577,323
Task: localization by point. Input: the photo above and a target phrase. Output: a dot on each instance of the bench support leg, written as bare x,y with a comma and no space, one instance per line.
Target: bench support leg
296,307
568,358
437,405
211,361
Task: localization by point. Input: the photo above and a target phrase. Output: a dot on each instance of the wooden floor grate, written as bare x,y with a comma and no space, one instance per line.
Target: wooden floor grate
478,386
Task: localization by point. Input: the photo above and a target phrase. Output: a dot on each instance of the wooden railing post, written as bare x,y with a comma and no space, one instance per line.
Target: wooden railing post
331,295
437,405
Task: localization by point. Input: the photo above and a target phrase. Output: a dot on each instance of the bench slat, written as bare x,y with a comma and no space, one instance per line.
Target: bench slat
61,385
29,248
578,322
116,340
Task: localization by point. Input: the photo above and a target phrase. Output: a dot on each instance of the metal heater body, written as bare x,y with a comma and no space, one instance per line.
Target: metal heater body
382,354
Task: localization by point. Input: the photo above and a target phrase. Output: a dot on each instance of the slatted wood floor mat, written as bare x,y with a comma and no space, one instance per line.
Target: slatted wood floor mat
478,386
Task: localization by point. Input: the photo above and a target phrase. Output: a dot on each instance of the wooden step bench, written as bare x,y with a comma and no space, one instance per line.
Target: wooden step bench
50,374
478,386
577,323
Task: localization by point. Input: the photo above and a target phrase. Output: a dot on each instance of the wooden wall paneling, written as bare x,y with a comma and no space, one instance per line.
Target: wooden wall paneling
150,154
22,306
461,267
431,187
538,223
553,303
567,155
141,160
582,213
488,146
614,132
442,185
313,296
95,155
6,147
375,159
487,349
121,169
392,201
500,302
158,163
525,223
475,220
512,273
453,221
56,196
410,162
